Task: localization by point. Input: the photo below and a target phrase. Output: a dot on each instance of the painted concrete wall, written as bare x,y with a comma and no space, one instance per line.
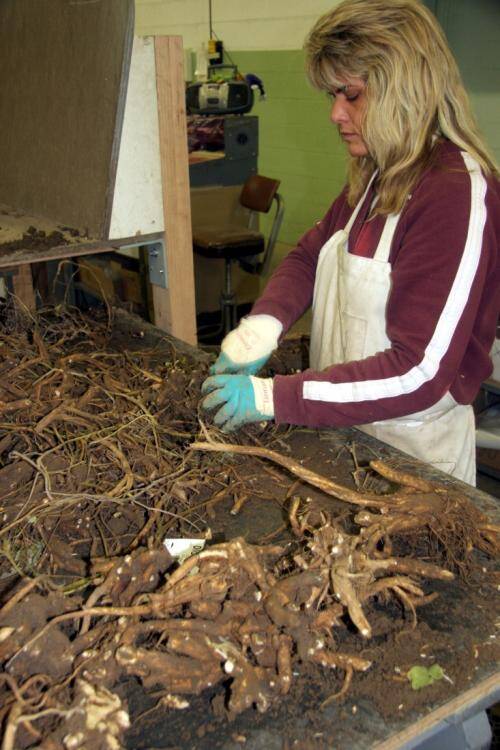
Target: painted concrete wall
297,142
243,25
473,31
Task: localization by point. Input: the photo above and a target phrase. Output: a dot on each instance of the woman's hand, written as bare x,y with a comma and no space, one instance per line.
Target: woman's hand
241,398
246,349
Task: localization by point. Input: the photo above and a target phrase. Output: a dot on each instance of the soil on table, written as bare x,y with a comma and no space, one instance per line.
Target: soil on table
458,631
379,701
38,239
97,417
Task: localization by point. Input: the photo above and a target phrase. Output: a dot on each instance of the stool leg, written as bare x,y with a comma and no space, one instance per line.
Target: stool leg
234,317
228,302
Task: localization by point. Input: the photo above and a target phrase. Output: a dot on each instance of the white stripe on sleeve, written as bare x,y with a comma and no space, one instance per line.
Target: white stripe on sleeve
399,385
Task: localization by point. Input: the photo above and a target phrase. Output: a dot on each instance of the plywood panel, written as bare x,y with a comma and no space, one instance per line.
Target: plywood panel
64,70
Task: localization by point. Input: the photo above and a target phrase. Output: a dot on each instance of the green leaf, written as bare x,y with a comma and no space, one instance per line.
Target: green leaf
421,677
436,672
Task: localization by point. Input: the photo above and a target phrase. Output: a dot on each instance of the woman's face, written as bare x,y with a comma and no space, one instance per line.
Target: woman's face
348,111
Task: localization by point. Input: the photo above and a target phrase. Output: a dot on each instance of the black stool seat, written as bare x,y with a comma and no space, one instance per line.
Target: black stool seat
232,242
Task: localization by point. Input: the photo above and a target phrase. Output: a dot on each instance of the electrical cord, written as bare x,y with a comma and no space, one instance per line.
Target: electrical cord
252,80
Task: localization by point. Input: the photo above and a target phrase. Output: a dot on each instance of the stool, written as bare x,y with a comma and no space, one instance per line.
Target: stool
244,245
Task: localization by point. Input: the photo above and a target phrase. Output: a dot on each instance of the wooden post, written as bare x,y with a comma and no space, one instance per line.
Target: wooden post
22,282
174,307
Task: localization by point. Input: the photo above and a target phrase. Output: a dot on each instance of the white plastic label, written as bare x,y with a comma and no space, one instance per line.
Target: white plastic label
181,549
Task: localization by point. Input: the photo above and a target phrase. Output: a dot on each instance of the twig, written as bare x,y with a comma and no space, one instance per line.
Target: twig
19,596
316,480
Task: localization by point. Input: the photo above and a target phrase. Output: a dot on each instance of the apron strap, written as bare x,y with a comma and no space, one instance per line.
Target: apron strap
357,209
384,246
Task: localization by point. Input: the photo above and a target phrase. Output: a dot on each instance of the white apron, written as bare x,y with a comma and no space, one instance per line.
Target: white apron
350,297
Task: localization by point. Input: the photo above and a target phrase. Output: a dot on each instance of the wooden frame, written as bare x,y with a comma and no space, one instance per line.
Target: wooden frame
174,306
175,311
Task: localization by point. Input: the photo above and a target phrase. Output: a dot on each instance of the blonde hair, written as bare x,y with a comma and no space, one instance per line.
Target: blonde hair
413,87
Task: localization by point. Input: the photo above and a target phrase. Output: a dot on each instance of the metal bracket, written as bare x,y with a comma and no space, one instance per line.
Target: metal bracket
157,260
157,263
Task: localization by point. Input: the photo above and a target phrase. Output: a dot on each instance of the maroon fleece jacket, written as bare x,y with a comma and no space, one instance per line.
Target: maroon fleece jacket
445,256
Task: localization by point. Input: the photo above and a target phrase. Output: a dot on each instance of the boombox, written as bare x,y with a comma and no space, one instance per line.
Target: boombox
219,98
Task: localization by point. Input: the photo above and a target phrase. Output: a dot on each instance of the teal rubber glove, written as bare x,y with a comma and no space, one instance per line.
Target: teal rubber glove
241,398
225,365
246,349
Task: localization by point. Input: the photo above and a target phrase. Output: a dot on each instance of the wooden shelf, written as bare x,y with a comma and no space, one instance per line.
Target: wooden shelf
15,224
200,157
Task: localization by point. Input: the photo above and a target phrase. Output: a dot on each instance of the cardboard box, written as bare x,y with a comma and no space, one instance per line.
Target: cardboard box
98,276
109,277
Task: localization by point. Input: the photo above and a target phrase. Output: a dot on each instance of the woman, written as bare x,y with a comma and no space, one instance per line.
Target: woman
403,271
